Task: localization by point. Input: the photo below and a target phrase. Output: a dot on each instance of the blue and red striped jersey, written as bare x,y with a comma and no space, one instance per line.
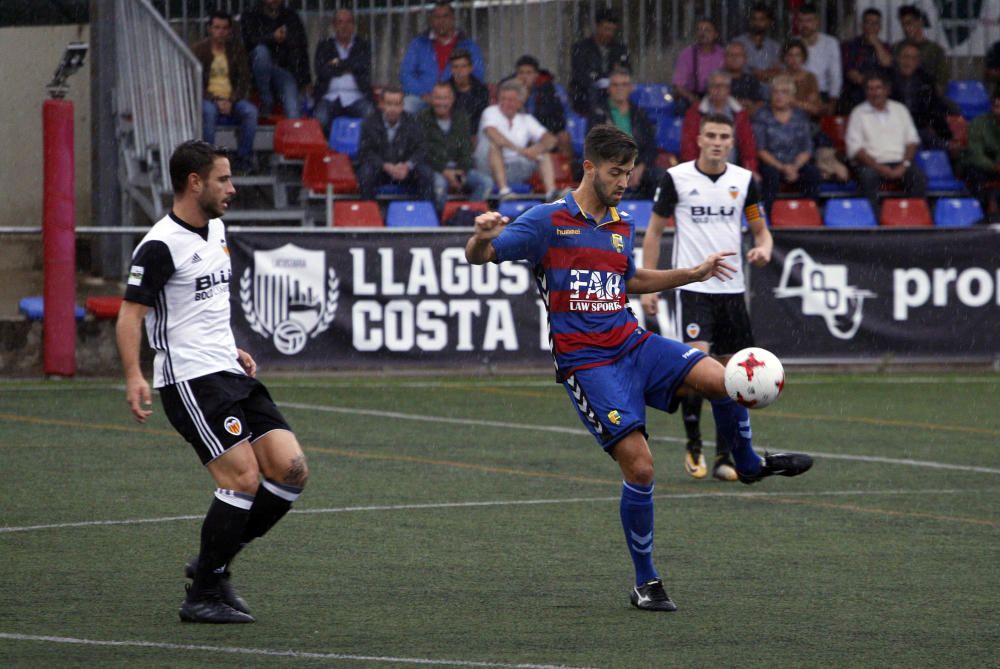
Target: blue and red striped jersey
581,267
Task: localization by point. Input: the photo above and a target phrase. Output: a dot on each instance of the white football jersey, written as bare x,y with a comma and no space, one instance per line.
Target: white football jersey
183,274
708,214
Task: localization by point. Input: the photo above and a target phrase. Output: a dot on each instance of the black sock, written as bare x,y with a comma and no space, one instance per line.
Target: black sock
691,408
722,445
224,524
271,504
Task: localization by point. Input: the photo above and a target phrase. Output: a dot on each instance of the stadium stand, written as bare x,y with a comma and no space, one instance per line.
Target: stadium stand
668,134
835,127
345,135
640,210
970,95
514,208
329,172
563,173
356,214
33,308
654,99
937,167
576,126
906,212
957,212
294,138
849,212
103,307
455,206
795,214
411,214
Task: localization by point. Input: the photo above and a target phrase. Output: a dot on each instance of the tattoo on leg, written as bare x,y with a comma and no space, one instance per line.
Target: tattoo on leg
297,473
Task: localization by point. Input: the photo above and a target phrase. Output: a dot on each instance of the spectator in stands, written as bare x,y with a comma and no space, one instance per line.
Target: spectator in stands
794,56
784,144
695,64
543,101
720,101
981,162
428,57
592,60
865,54
512,144
392,149
933,59
472,96
744,86
279,56
762,53
991,65
225,79
343,72
823,56
915,88
620,112
881,141
448,143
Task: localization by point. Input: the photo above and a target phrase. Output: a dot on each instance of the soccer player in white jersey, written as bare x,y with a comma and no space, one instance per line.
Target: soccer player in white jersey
708,198
179,284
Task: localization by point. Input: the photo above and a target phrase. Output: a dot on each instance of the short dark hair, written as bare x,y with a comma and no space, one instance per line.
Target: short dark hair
870,11
909,10
459,53
220,14
715,118
390,88
528,59
607,15
877,75
763,8
794,43
808,8
194,156
606,143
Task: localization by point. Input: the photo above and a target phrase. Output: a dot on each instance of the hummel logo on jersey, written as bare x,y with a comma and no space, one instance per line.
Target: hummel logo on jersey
195,258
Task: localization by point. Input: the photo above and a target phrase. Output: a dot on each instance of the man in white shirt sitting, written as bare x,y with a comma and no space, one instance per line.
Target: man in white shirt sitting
881,142
512,144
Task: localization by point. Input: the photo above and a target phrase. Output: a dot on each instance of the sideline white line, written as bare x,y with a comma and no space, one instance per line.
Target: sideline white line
279,653
580,431
514,502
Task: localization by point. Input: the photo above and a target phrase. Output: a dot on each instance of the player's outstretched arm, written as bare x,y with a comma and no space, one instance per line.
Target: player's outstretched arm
488,227
128,333
656,280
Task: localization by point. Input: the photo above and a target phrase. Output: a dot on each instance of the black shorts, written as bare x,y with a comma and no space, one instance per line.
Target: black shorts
217,411
721,319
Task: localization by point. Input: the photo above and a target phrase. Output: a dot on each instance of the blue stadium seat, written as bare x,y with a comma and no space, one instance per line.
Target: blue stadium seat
668,133
411,214
851,212
957,212
514,208
970,95
937,167
33,308
563,96
640,210
576,126
653,99
345,135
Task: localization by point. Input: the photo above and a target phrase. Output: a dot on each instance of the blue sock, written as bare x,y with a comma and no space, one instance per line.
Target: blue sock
733,423
637,521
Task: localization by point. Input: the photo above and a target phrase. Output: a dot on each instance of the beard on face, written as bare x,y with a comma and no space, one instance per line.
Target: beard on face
212,208
607,197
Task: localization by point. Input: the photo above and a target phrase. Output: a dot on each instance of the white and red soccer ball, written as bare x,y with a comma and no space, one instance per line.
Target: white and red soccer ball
754,377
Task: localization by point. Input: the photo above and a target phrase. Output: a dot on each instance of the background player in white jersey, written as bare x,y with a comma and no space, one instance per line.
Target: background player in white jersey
179,284
707,198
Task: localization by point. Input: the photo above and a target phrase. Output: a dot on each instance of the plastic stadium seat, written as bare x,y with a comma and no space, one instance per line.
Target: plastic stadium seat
563,173
514,208
345,135
906,212
959,129
294,138
970,95
411,214
356,214
668,134
653,99
640,210
33,308
576,126
329,169
853,212
454,206
795,214
563,96
104,307
957,212
937,167
835,127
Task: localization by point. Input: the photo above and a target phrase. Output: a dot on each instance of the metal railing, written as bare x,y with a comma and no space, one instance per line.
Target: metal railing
157,97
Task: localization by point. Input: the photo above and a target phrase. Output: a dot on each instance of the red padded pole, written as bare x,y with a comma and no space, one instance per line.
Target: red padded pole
59,239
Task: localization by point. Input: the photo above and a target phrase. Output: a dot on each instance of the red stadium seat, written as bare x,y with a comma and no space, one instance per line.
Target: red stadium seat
453,207
563,173
294,138
329,168
835,128
104,307
906,212
357,214
795,214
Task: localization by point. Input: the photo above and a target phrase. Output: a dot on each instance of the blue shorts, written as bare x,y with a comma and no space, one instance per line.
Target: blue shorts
611,400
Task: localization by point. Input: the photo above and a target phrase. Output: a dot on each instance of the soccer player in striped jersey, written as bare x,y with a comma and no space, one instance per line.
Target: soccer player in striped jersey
708,198
580,248
179,285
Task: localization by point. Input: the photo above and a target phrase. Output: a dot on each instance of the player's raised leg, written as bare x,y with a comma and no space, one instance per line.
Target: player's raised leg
285,473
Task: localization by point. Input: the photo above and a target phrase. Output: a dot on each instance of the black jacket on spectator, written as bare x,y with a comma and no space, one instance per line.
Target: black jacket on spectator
358,63
472,102
543,103
293,53
587,67
928,109
643,131
376,149
453,147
